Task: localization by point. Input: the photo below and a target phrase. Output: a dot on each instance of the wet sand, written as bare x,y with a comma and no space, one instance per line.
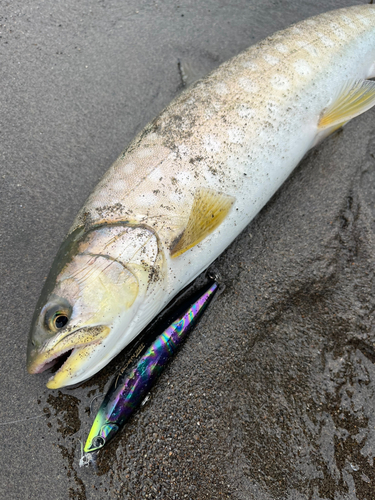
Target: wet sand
272,396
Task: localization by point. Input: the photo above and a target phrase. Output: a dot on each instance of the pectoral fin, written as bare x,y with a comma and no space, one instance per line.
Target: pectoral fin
208,211
355,98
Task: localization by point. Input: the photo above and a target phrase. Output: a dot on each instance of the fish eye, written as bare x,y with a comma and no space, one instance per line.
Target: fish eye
60,321
57,315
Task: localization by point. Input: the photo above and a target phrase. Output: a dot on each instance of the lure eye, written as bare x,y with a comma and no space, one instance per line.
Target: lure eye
57,315
98,442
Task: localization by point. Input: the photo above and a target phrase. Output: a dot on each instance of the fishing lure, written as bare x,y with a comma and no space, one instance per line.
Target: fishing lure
129,388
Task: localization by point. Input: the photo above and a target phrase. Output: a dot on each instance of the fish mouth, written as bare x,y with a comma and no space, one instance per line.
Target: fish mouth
72,351
59,358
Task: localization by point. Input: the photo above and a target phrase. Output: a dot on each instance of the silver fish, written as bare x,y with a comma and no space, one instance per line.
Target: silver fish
191,181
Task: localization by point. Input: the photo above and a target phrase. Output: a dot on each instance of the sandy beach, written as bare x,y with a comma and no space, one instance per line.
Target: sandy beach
272,396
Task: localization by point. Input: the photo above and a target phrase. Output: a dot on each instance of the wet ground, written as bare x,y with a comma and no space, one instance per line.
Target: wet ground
273,395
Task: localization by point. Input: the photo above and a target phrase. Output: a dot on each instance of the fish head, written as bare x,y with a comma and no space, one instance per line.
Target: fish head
103,288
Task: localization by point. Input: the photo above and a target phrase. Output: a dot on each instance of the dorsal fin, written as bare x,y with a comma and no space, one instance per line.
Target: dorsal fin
208,211
355,98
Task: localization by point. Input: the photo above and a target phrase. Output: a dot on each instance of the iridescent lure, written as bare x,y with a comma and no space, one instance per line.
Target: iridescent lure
129,388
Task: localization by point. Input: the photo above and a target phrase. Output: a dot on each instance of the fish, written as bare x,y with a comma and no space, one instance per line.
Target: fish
130,386
191,181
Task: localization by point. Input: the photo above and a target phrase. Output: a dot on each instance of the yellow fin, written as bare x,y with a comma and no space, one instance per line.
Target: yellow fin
355,98
208,211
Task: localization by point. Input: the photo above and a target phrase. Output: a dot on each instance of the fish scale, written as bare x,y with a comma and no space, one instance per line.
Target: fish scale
268,82
200,172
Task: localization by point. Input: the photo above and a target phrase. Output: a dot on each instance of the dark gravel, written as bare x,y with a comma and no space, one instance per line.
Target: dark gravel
273,395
